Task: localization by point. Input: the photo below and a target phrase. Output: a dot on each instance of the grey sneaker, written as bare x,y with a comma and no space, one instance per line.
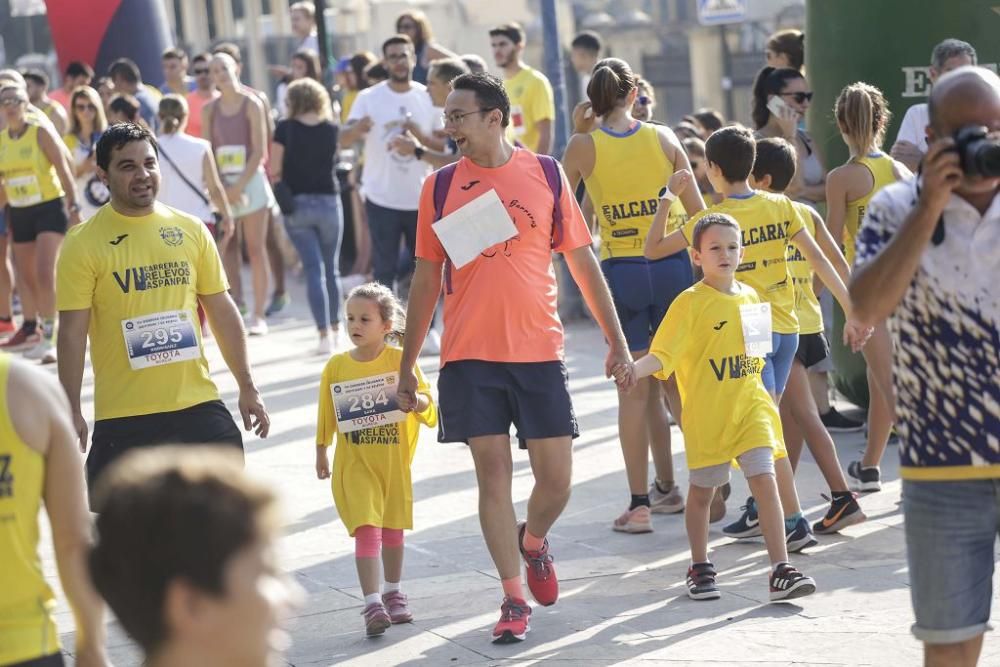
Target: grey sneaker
671,502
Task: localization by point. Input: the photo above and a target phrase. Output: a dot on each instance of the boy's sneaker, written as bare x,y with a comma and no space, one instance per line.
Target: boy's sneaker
864,479
747,525
395,604
634,521
540,573
701,582
22,340
788,583
843,513
671,502
838,423
799,537
376,619
513,623
717,510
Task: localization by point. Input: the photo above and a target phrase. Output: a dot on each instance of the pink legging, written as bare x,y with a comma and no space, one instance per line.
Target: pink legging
368,540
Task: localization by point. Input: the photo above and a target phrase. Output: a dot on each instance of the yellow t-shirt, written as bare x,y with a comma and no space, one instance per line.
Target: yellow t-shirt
141,277
27,605
371,467
727,410
880,165
807,307
531,101
28,176
767,221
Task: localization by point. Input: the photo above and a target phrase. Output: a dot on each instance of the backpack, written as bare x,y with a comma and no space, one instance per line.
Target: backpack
550,167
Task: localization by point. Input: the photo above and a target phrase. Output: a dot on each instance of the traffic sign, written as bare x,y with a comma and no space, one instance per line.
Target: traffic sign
719,12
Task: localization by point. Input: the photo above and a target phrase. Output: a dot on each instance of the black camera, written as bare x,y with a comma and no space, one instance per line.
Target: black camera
979,153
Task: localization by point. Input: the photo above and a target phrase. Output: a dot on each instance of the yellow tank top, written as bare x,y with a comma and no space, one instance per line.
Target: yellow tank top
28,176
629,170
807,307
27,624
880,165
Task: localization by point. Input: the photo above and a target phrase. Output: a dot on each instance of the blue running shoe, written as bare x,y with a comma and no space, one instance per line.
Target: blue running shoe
748,524
799,537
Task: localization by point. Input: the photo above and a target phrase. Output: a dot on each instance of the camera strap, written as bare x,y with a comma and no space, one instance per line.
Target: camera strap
937,238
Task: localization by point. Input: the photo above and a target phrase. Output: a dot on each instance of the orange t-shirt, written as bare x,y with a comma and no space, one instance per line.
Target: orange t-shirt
503,303
195,103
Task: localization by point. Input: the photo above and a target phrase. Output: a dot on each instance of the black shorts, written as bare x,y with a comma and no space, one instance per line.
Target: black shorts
813,348
28,222
477,398
203,424
51,660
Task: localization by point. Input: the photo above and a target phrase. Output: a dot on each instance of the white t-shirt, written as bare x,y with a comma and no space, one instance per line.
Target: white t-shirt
188,153
389,179
913,127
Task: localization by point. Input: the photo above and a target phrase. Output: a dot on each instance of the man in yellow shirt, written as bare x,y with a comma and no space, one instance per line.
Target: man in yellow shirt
532,108
132,278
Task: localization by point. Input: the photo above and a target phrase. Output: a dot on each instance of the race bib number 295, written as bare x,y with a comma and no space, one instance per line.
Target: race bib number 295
160,338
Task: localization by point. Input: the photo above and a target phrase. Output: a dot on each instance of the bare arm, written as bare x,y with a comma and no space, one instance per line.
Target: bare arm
354,131
586,272
425,289
544,137
218,196
836,204
227,325
407,144
71,348
690,196
52,148
206,121
258,135
830,248
823,268
578,160
41,417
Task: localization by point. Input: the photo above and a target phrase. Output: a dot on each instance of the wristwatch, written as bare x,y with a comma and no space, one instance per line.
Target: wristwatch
666,194
419,152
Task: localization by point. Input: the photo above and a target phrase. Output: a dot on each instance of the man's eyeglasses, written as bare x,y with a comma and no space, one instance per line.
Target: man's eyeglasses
643,100
12,101
456,118
801,98
199,71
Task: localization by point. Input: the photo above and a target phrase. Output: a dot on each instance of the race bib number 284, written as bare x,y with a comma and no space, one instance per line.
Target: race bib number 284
366,402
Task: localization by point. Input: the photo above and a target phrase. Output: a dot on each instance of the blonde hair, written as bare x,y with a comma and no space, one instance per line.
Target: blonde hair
863,116
307,95
100,119
389,308
173,111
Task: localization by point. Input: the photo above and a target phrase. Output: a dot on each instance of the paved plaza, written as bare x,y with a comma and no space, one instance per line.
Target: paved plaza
623,597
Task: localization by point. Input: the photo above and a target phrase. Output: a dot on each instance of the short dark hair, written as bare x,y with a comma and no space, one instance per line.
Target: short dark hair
474,62
376,71
117,136
489,91
447,69
78,68
126,70
710,119
512,31
202,57
775,158
168,514
790,42
175,53
36,76
588,40
733,149
711,220
397,39
230,49
952,48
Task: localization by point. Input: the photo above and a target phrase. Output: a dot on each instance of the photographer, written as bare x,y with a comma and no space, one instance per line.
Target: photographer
929,258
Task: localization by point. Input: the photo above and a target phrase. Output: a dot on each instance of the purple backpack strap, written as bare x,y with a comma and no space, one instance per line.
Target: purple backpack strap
442,183
554,178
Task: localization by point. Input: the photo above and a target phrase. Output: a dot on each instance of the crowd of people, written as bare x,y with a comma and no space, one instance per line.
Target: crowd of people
699,249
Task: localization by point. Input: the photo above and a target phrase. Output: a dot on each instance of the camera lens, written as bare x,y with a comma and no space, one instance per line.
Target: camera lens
985,155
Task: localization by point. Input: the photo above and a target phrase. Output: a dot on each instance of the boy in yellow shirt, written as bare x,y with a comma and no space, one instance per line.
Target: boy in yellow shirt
713,338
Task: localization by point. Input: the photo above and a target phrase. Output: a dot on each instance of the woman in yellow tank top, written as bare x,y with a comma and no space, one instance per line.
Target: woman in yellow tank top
862,117
41,193
39,461
625,165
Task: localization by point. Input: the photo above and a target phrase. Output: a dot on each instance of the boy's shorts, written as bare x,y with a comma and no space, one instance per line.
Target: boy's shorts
753,462
478,398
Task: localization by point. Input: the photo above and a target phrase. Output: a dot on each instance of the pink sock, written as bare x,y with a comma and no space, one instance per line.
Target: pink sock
392,537
512,587
532,543
367,542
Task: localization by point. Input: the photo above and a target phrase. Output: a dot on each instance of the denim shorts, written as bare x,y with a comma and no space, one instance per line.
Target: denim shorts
951,534
643,291
753,462
477,398
778,363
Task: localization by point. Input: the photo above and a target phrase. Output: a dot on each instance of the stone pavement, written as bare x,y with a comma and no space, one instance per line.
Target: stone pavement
622,596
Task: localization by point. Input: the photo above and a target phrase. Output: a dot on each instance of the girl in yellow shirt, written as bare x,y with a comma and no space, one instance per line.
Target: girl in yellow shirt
375,445
862,117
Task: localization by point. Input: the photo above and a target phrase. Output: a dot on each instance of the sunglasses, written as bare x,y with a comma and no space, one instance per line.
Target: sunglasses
643,100
200,71
801,98
85,107
12,101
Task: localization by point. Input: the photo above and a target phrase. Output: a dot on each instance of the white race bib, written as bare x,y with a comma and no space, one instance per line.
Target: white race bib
161,338
24,191
232,160
756,321
366,402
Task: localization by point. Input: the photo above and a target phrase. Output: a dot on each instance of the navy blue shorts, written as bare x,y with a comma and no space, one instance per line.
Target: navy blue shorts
477,398
643,291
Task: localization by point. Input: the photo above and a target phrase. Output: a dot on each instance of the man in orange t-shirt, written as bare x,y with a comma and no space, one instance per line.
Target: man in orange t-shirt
502,350
203,93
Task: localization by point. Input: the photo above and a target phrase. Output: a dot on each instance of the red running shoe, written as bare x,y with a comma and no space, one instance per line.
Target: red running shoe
7,328
513,623
21,341
541,574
